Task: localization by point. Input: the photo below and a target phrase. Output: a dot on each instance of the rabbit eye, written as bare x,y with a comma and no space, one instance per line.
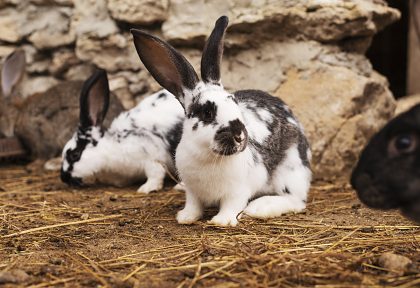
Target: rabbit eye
402,144
74,155
208,115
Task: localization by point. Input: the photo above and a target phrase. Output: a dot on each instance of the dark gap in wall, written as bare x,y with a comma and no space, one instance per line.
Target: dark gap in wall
389,49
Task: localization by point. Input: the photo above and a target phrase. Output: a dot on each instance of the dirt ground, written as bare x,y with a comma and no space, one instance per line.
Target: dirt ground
53,235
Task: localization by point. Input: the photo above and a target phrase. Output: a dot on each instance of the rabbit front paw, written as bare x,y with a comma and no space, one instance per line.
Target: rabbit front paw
188,216
224,220
150,186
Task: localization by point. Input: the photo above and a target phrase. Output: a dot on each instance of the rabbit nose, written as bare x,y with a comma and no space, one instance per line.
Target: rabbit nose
238,138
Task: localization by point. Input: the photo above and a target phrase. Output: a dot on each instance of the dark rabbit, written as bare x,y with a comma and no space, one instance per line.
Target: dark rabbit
387,175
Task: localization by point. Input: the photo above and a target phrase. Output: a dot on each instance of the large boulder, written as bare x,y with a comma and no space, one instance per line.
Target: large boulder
353,22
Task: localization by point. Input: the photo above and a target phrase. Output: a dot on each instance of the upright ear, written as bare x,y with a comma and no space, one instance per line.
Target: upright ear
213,52
12,71
415,10
94,99
169,68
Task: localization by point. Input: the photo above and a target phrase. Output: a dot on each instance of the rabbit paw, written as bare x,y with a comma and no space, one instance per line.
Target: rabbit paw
187,216
224,220
150,186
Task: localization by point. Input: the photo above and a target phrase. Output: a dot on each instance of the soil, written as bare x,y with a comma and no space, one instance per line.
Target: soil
114,237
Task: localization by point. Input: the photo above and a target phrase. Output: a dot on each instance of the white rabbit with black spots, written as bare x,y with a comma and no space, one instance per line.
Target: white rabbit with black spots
243,151
139,145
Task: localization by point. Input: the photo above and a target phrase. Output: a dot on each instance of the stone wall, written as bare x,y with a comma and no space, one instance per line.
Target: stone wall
308,52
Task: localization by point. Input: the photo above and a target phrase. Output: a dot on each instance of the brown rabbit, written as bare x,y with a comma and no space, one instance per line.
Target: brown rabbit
44,121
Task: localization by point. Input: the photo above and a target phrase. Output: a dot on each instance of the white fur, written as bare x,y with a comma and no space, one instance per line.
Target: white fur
231,181
258,129
132,158
292,174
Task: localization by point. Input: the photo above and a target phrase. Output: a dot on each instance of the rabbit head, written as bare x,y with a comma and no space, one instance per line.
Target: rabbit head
78,155
212,113
388,172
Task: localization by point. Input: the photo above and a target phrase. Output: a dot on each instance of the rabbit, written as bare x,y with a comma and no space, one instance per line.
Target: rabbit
42,121
235,147
387,175
139,144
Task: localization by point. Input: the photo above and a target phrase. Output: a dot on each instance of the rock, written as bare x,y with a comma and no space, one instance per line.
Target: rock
45,35
34,22
5,51
113,53
119,86
396,264
37,62
10,23
62,60
405,103
266,64
141,12
340,110
91,18
327,21
15,276
39,67
79,72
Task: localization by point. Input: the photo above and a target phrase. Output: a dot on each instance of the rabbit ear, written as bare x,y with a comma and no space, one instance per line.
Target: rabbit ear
12,71
94,99
415,8
169,68
213,52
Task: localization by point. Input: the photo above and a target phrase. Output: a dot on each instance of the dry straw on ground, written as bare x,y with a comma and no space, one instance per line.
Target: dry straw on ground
109,237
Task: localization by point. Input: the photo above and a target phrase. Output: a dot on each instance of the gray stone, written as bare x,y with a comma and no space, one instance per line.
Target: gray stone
91,18
62,60
253,21
141,12
79,72
35,22
113,53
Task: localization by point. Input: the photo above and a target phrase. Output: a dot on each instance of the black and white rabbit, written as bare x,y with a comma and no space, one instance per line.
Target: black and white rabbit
387,175
235,147
140,143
